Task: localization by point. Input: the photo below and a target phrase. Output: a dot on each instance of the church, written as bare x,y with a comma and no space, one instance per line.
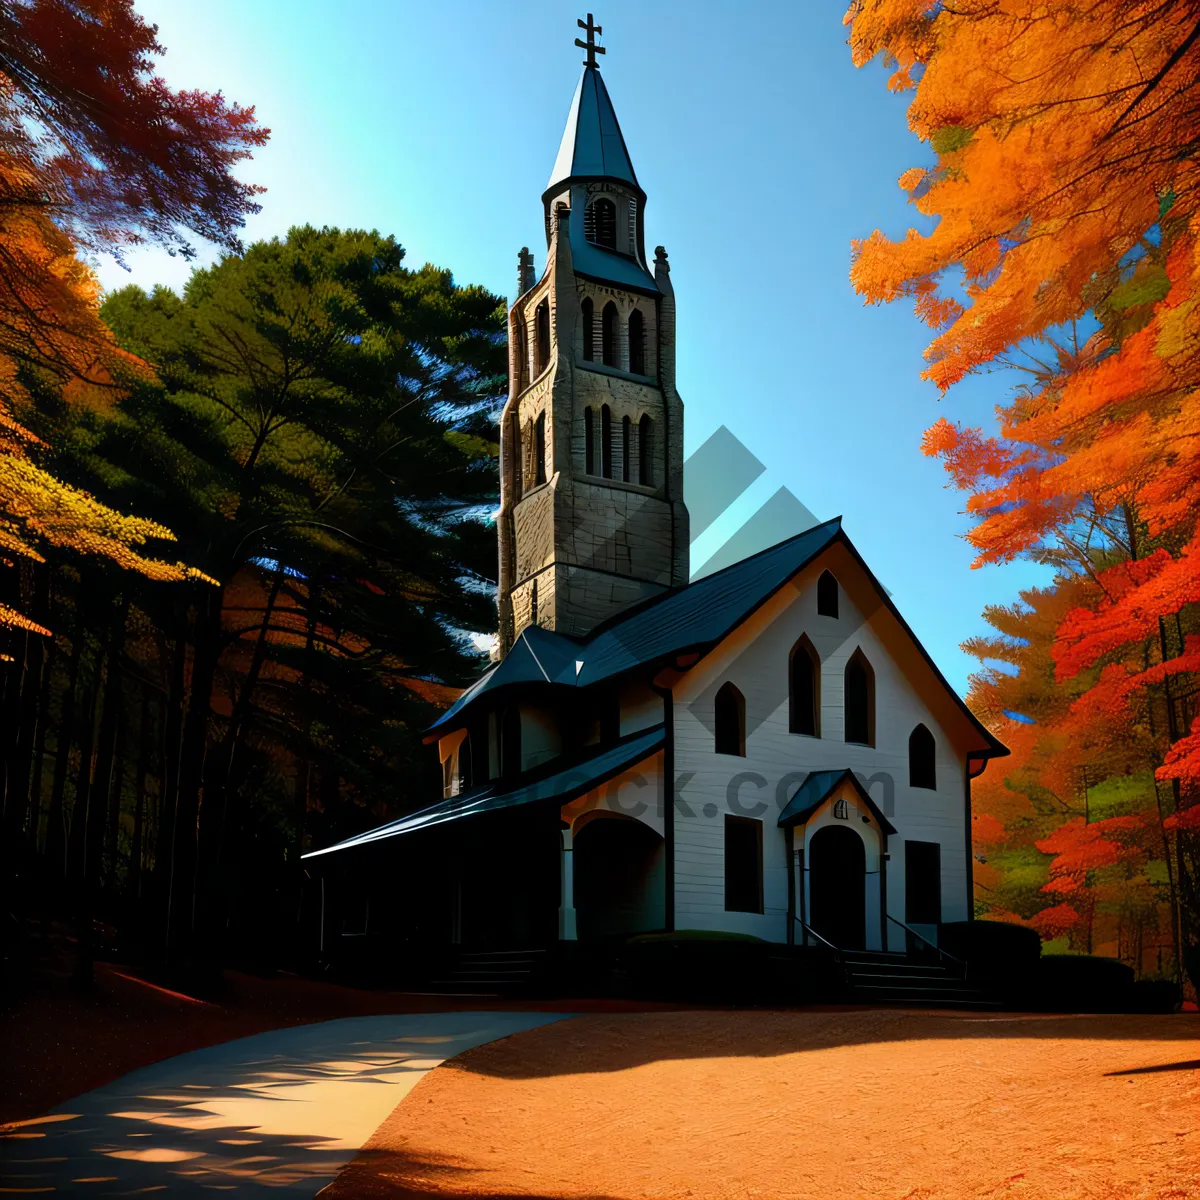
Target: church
766,751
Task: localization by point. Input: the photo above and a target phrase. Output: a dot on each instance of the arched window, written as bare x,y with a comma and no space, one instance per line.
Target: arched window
626,447
859,700
539,448
804,689
827,595
608,335
922,756
729,721
533,611
589,441
510,743
645,451
637,342
541,335
589,334
600,223
606,441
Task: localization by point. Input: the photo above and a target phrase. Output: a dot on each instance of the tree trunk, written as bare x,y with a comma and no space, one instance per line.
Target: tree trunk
182,924
133,884
56,821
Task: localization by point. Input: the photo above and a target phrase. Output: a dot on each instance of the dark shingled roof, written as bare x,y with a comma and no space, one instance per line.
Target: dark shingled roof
688,619
695,617
560,784
817,788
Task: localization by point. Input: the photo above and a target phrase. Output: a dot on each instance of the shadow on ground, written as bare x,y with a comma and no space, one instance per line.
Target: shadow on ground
285,1109
609,1043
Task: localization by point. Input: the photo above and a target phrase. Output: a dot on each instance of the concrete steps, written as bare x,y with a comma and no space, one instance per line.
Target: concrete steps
894,979
489,972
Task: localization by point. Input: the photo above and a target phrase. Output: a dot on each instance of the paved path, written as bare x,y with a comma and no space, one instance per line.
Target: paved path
285,1109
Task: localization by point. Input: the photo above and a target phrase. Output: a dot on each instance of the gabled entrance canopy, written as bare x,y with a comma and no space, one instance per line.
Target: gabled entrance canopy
818,788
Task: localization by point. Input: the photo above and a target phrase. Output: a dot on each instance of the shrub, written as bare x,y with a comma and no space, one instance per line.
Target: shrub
992,949
1079,983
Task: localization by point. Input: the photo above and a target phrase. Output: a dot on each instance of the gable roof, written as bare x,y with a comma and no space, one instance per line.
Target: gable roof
592,144
817,788
694,618
561,783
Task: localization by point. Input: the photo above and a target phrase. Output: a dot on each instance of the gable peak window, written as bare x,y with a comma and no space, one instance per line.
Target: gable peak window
600,223
859,700
804,711
589,333
827,595
729,721
922,759
608,335
637,342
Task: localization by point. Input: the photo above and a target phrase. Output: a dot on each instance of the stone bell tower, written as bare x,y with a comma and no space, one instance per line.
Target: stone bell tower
592,519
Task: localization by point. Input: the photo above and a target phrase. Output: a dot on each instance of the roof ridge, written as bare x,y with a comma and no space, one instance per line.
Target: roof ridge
617,619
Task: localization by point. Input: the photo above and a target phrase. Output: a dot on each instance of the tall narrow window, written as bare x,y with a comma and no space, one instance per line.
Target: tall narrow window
606,441
805,689
729,720
600,223
539,448
637,342
528,470
827,595
626,448
646,451
922,883
608,335
859,700
922,759
589,332
743,865
518,456
510,743
533,610
541,335
589,441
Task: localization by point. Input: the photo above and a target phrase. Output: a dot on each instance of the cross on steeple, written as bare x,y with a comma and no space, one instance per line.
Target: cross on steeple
590,45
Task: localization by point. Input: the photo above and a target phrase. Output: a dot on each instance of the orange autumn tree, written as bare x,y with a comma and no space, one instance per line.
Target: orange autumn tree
96,153
1064,189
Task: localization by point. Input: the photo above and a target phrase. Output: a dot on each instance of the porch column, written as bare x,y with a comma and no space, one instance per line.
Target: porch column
566,908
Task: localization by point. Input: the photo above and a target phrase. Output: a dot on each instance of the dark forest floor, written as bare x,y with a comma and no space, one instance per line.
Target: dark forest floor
57,1042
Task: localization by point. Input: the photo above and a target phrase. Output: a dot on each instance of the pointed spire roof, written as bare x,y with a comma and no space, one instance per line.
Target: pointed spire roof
592,144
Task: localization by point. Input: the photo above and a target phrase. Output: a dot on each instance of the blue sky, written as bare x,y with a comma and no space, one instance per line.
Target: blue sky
763,152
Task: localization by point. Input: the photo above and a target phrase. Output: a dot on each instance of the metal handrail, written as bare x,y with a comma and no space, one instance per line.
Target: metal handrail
823,940
922,938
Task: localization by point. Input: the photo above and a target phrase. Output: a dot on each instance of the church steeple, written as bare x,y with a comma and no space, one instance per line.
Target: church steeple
591,518
592,145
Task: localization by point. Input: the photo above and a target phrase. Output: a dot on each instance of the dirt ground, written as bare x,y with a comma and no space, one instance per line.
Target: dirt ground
791,1105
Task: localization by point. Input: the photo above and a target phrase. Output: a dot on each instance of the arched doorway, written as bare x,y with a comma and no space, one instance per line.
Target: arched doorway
837,878
619,877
